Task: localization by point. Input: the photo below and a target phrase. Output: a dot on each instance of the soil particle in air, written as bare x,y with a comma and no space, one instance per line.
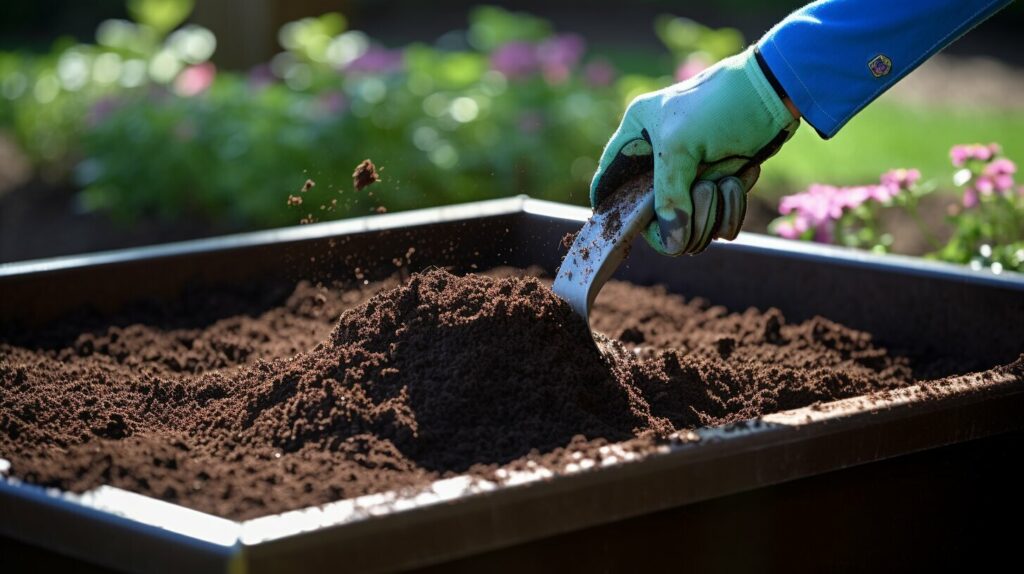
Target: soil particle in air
365,175
245,406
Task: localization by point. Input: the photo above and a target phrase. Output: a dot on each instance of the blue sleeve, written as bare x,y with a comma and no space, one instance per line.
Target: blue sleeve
833,57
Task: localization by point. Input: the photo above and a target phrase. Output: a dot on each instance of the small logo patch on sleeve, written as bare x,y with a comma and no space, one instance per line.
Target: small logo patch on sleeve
880,65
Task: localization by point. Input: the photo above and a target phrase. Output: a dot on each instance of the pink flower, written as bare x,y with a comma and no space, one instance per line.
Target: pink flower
793,227
854,197
693,65
985,185
195,80
787,229
901,179
961,154
555,58
789,203
515,59
801,225
1001,166
958,155
817,203
377,60
883,193
816,208
826,202
819,207
995,177
599,73
559,55
1001,173
970,197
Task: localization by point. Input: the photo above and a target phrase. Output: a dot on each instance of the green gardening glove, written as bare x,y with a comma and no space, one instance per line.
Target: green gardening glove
705,139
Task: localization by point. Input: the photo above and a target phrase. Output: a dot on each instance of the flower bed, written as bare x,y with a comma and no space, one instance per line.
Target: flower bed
988,227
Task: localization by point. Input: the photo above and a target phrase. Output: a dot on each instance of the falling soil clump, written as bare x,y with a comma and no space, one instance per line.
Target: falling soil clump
318,394
365,175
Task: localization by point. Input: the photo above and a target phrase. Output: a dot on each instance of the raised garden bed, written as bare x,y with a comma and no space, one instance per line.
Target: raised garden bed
913,375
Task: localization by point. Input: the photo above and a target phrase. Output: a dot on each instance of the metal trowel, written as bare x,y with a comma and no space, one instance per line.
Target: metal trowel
603,244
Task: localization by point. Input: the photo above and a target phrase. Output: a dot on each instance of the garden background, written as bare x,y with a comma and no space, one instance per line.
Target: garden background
131,123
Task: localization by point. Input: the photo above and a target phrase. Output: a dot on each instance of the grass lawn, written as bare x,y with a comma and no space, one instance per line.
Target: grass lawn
888,135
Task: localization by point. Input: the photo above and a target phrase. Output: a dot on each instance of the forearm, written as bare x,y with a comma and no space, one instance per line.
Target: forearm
833,57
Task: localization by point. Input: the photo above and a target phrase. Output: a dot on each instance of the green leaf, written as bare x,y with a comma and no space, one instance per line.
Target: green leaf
491,26
449,70
683,37
161,15
310,37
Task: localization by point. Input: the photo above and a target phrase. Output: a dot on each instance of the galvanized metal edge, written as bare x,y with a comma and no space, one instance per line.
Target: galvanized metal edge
119,526
447,214
744,242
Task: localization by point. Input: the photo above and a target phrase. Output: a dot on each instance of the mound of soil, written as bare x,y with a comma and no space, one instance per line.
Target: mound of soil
334,393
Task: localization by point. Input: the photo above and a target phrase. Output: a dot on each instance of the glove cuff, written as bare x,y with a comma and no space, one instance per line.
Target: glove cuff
770,97
769,74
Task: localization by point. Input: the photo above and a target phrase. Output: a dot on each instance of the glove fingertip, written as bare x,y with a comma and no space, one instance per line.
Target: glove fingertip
734,204
748,177
706,215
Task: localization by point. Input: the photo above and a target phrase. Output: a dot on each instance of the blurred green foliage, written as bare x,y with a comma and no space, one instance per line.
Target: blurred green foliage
160,15
146,125
888,135
493,27
684,37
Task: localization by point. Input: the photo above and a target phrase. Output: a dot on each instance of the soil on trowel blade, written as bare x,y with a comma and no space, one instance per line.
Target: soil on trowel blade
276,400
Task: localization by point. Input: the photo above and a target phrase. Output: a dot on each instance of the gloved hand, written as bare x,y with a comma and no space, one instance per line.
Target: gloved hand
705,139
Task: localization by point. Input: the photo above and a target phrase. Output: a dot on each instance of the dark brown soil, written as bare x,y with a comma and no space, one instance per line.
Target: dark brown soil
365,175
330,393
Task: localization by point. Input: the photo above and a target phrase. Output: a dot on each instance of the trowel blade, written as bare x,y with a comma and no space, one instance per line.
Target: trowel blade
603,243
